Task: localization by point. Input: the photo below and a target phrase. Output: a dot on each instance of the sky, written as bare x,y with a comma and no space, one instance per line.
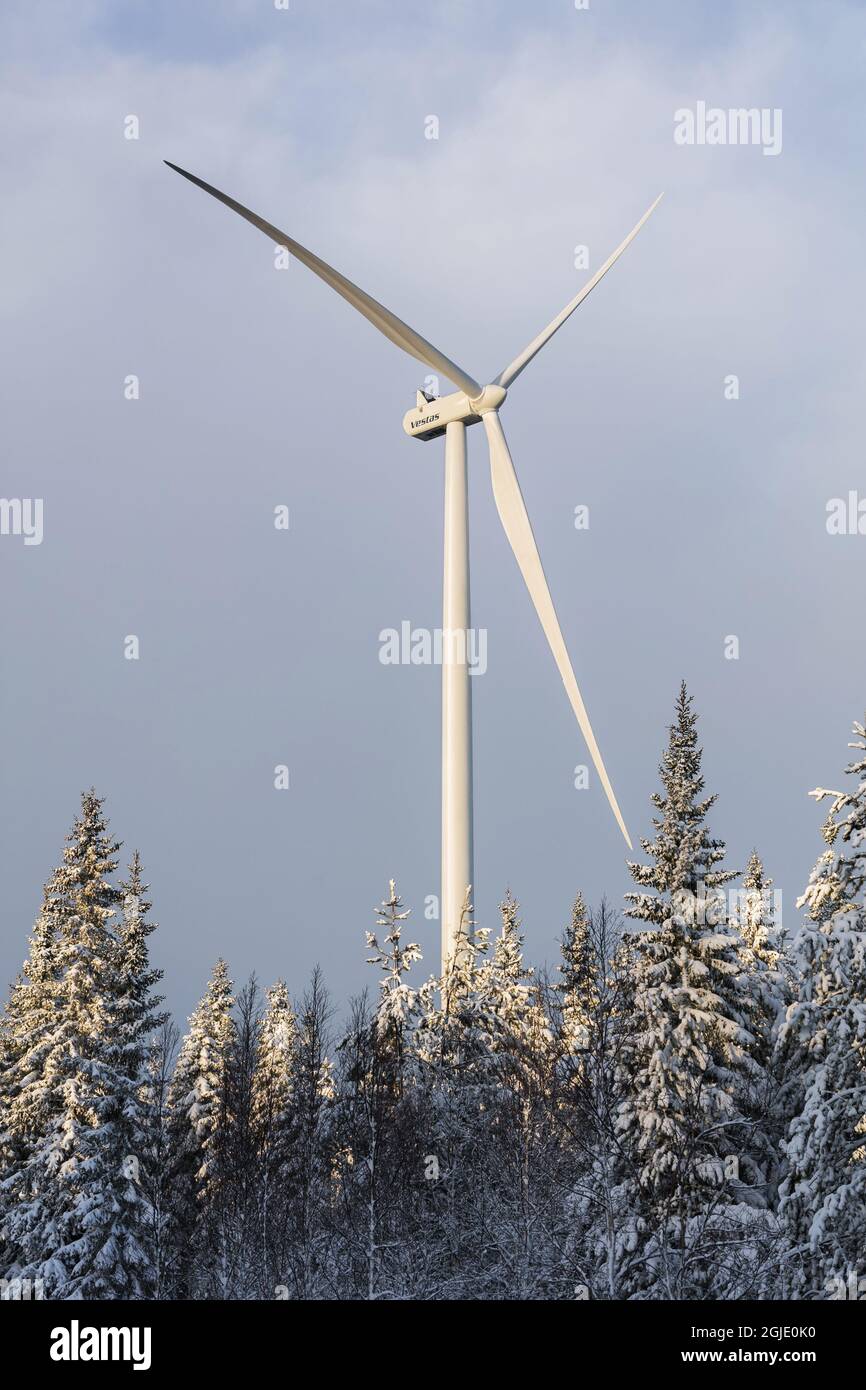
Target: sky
259,388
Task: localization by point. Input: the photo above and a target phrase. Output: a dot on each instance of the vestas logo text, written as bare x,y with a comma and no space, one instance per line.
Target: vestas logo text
428,420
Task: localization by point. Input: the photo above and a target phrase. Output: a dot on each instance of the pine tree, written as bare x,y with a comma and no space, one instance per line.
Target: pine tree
520,1148
137,1009
239,1189
275,1128
690,1049
578,983
311,1174
375,1116
683,876
81,1222
199,1122
28,1102
764,952
397,1000
513,1021
451,1035
455,1073
198,1093
824,1038
603,1240
756,921
157,1174
273,1084
766,985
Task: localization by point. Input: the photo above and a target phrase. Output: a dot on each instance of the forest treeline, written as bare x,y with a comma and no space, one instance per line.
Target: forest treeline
676,1111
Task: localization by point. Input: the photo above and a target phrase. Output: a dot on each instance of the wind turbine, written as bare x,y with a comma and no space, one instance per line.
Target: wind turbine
450,415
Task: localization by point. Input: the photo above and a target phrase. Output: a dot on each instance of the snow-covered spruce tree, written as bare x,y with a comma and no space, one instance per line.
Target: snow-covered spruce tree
156,1172
137,1010
603,1251
513,1020
690,1051
379,1141
198,1134
397,999
28,1101
456,1074
577,988
273,1082
485,1056
274,1123
756,923
81,1221
310,1186
684,855
592,1014
449,1039
522,1220
767,980
823,1195
240,1189
137,1021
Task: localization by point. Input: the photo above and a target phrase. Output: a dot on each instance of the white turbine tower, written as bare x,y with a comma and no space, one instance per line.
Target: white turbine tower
449,415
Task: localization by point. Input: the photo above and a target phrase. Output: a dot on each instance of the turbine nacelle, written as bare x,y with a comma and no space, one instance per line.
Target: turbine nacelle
429,418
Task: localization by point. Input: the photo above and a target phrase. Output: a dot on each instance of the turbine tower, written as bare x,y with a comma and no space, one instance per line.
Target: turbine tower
450,415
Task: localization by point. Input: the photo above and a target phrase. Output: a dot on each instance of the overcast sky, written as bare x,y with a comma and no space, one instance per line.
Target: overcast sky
260,387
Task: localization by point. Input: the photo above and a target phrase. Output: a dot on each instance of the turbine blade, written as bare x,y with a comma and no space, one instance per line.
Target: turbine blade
382,318
518,529
514,368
